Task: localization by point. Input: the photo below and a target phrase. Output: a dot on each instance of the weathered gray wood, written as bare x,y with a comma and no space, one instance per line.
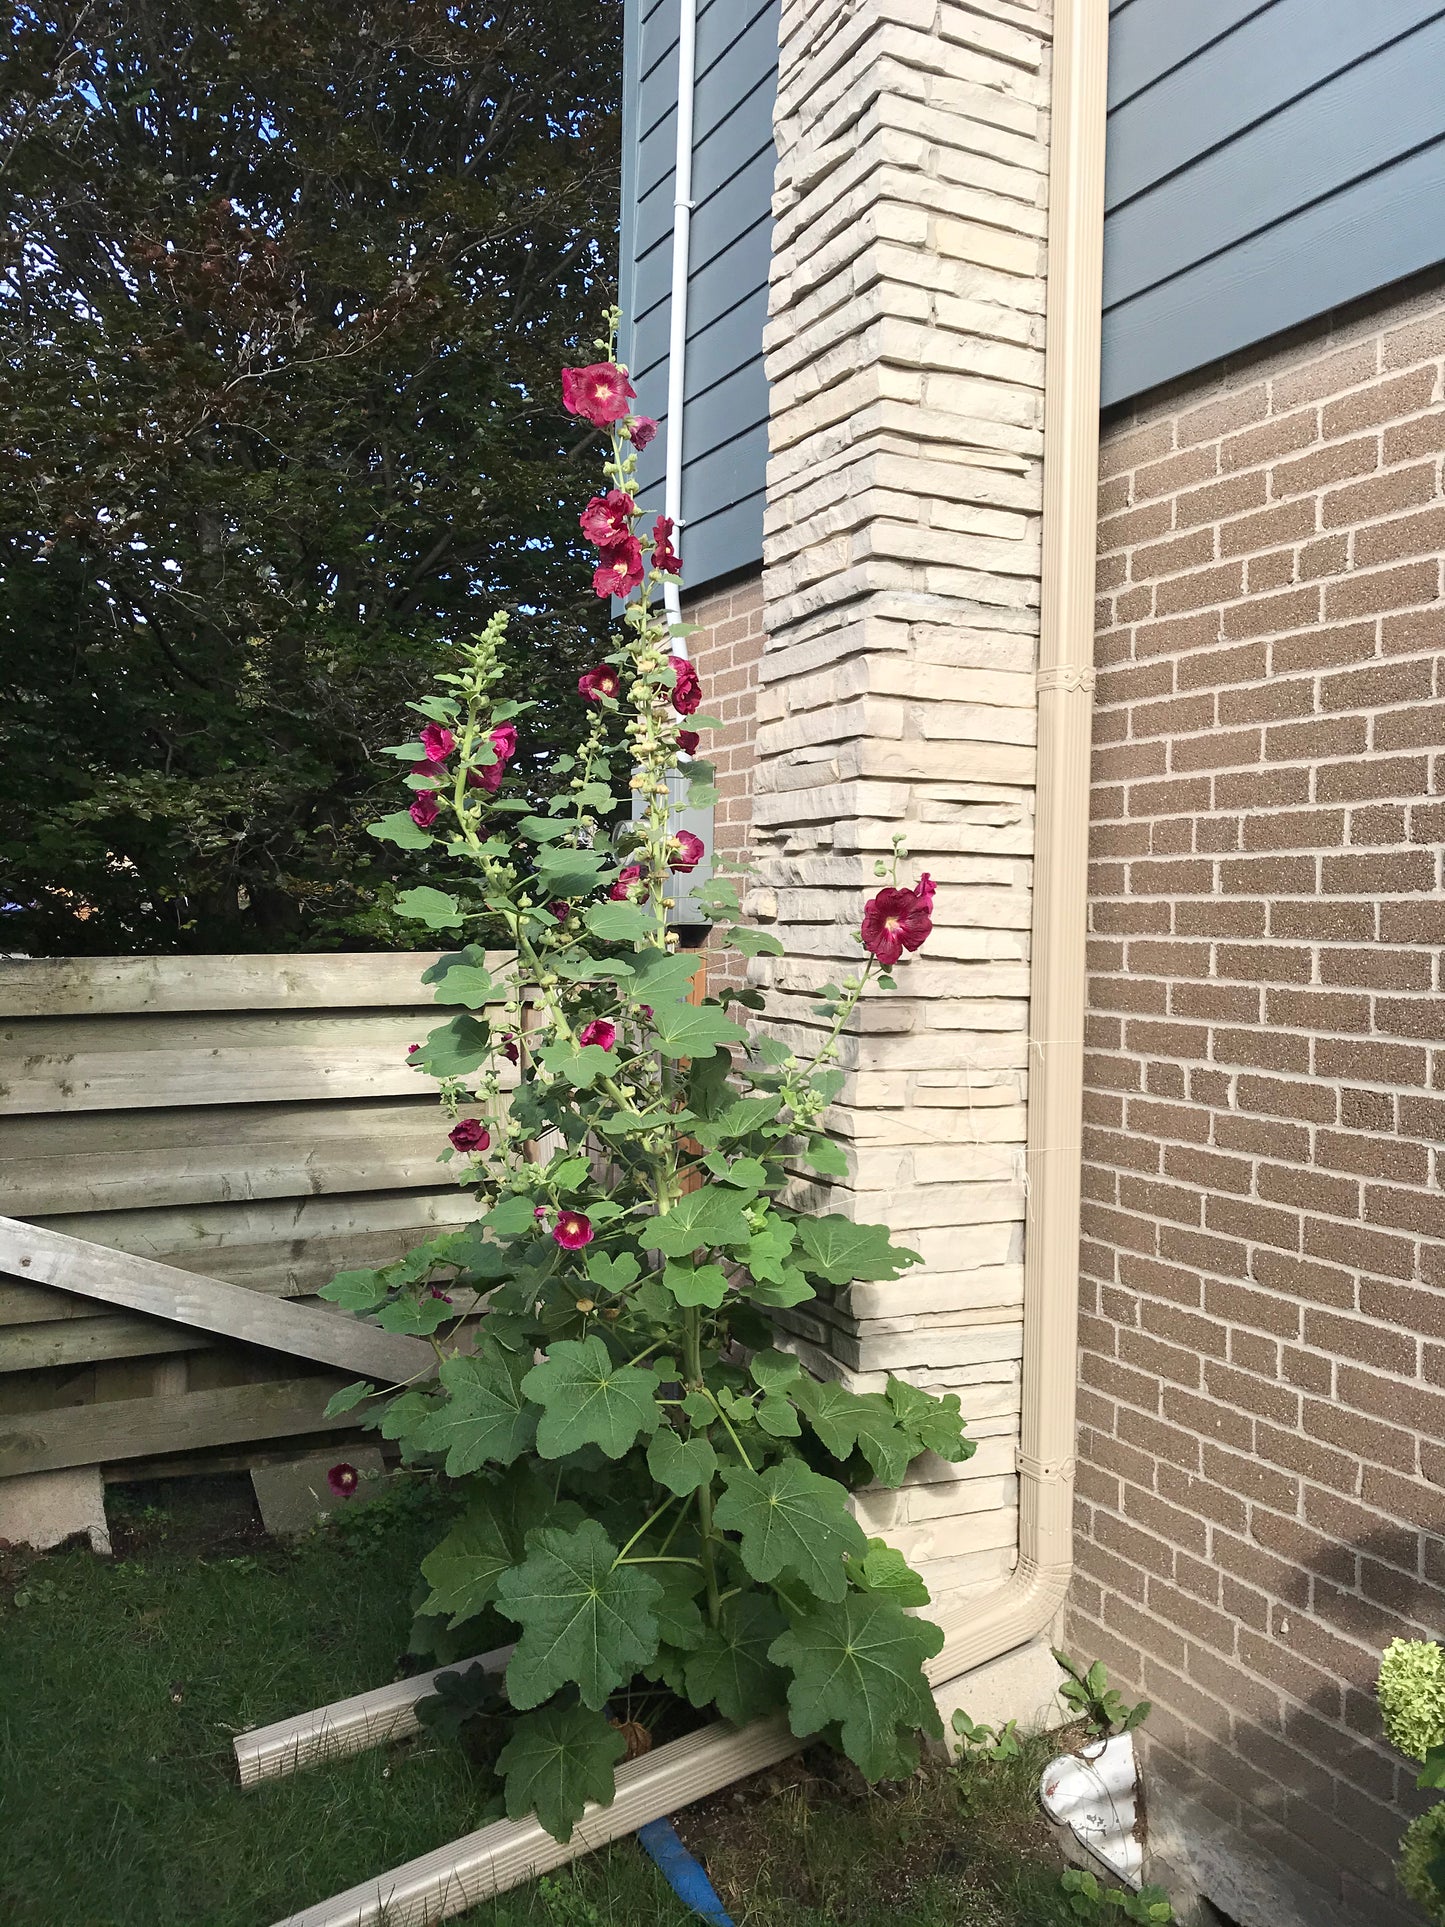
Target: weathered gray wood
134,1428
207,1304
107,986
78,1341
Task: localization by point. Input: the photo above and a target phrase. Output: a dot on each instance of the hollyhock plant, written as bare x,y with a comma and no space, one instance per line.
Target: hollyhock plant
664,556
598,393
686,689
622,1424
895,921
688,852
343,1479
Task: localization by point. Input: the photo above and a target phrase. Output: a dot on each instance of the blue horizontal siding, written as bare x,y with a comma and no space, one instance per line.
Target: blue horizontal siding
1260,175
725,417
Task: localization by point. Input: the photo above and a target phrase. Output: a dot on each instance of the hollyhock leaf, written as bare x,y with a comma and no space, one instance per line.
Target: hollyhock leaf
349,1397
679,1623
680,1464
468,984
577,967
613,1274
935,1424
570,873
747,1174
589,1399
510,1218
357,1290
719,897
696,1284
399,829
702,796
586,1621
827,1158
777,1418
434,908
487,1541
768,1249
455,1048
741,1118
556,1760
568,1173
699,1409
789,1288
730,1668
844,1419
774,1371
416,1317
791,1522
708,1216
883,1569
753,943
619,922
486,1416
859,1661
686,1030
842,1251
579,1066
664,976
403,1417
537,829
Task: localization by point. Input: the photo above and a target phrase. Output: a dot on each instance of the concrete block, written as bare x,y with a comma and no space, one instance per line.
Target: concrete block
294,1496
1021,1685
44,1509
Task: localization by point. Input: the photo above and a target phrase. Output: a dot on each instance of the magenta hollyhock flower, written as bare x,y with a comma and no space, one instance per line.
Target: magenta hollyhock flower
687,741
687,853
621,891
504,741
509,1048
599,393
437,771
470,1134
664,555
343,1479
895,921
435,1291
423,811
686,689
539,1212
438,742
620,569
599,1032
572,1230
607,518
641,430
412,1049
560,909
925,890
599,682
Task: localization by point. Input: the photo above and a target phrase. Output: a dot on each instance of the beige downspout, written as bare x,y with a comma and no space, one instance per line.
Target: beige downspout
1021,1609
452,1878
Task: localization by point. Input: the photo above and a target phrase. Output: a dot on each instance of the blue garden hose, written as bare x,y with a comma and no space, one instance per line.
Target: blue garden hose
682,1873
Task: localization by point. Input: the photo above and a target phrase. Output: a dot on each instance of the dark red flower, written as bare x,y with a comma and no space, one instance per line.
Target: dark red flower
621,891
423,811
438,771
687,741
412,1049
572,1230
435,1291
504,742
664,555
620,569
599,1032
688,851
438,742
560,909
599,393
343,1480
925,890
599,682
470,1134
686,689
641,429
509,1048
607,518
895,921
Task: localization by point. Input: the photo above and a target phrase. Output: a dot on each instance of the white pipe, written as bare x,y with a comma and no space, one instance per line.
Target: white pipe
677,313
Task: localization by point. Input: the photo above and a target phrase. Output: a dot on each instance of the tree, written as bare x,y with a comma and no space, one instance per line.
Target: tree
284,292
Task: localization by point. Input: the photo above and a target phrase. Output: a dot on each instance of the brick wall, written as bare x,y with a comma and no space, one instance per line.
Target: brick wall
1262,1445
727,650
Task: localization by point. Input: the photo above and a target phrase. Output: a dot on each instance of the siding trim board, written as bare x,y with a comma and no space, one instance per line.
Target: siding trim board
1262,176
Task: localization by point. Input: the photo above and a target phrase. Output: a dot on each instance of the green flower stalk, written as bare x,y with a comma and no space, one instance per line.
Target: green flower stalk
655,1493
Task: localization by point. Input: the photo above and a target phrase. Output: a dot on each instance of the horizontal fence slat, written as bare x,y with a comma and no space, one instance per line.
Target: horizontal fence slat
136,1428
81,1341
108,986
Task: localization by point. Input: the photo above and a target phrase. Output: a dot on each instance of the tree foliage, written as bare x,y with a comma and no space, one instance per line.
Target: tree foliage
283,292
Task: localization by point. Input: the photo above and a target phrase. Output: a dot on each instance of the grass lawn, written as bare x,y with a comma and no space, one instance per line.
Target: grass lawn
122,1683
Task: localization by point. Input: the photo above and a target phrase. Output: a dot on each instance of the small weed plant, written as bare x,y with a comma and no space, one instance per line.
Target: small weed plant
987,1742
1087,1693
656,1493
1090,1900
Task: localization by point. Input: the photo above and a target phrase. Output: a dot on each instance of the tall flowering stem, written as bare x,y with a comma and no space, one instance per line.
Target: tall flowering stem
655,1491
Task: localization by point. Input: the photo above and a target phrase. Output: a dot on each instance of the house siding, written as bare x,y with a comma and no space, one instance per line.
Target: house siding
1262,1346
726,408
1265,163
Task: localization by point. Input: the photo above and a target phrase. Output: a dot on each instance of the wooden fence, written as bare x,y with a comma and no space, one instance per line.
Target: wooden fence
249,1119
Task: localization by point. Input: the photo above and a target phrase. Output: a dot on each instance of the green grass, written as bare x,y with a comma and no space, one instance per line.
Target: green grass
122,1684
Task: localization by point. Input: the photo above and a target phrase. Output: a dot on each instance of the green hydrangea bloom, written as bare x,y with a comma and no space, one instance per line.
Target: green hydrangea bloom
1411,1691
1424,1841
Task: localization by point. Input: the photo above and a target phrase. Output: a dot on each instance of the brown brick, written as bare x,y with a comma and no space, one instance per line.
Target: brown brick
1381,495
1204,588
1275,570
1218,918
1314,741
1381,402
1272,615
1323,922
1324,646
1390,1063
1379,875
1299,1278
1269,1050
1373,1157
1322,376
1374,777
1280,435
1259,1224
1335,463
1260,1484
1265,1137
1412,923
1366,1438
1325,1010
1285,522
1259,963
1279,1098
1422,727
1400,538
1268,702
1216,501
1377,685
1397,588
1328,555
1411,1017
1133,681
1295,829
1269,876
1228,1003
1177,635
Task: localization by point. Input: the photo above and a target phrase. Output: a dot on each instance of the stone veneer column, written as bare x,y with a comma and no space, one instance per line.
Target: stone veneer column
901,584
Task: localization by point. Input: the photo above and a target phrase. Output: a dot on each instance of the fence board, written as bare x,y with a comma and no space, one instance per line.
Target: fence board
103,986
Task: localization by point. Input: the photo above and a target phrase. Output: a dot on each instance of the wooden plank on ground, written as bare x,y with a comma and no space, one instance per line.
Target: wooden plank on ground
207,1304
135,1428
